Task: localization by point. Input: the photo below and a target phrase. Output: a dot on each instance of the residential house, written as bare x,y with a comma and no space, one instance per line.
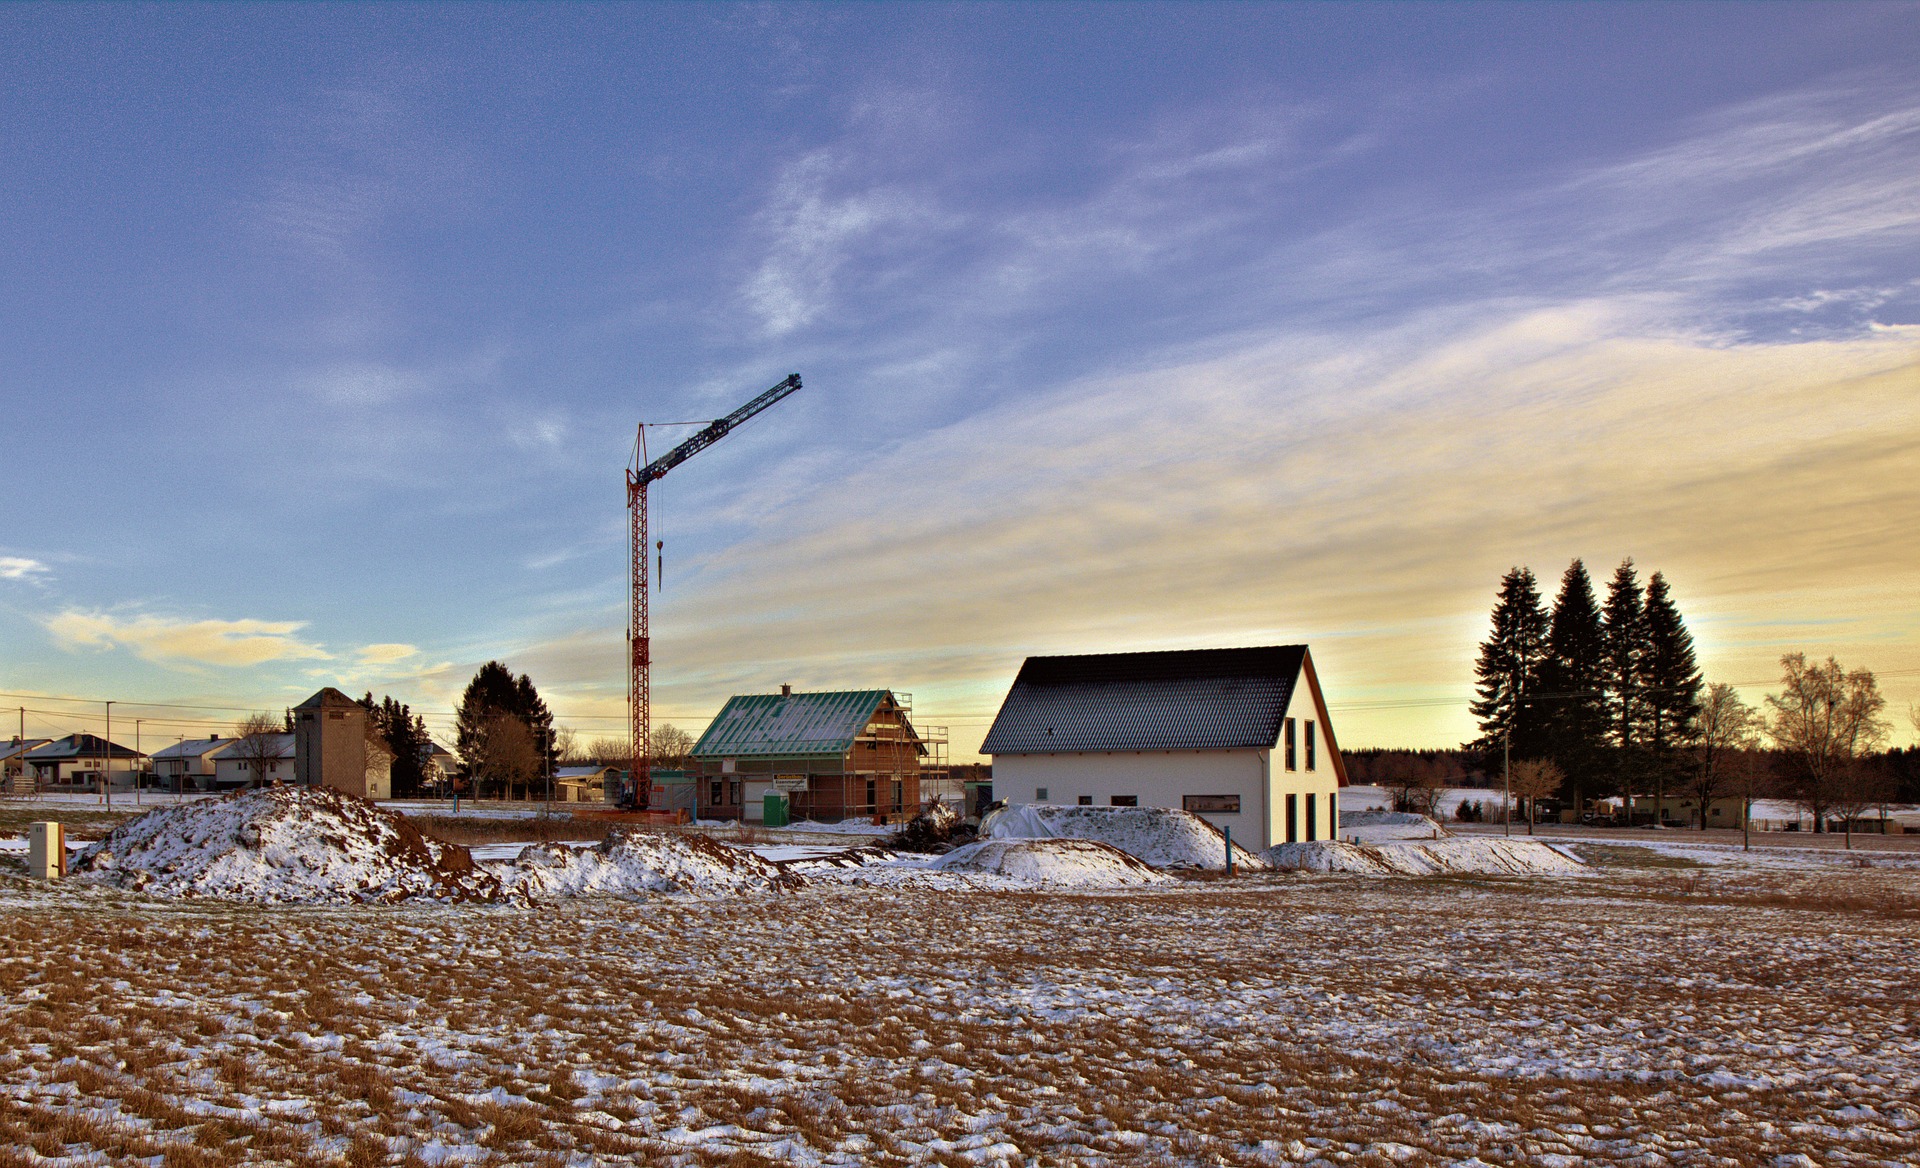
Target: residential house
77,761
233,764
188,765
1239,737
840,755
14,779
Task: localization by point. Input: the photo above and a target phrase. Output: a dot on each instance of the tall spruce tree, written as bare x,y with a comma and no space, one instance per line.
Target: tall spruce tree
494,692
1624,620
1670,685
1509,670
1574,680
405,735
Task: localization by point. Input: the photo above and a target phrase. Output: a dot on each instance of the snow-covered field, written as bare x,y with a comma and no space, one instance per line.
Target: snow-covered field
667,998
1641,1014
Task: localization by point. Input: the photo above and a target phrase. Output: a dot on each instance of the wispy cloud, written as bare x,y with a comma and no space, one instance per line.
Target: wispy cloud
22,568
178,641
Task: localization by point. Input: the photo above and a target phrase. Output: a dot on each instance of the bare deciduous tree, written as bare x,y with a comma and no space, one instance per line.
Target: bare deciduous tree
1722,736
672,746
1536,779
613,752
501,755
1823,720
260,742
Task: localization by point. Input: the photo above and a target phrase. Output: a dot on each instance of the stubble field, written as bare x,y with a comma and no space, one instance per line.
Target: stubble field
1641,1014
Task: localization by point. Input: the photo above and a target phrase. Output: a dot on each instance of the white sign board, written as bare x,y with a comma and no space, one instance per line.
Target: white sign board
791,784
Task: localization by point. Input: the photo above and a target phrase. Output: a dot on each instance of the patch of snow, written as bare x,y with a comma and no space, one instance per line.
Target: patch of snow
1372,826
1162,837
1418,858
283,845
1075,863
628,863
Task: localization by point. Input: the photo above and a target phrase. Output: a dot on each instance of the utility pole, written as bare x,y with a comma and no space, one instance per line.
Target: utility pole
138,771
106,783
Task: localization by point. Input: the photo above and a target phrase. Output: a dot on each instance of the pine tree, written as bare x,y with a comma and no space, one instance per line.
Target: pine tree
1574,680
1670,682
1625,624
1509,669
494,693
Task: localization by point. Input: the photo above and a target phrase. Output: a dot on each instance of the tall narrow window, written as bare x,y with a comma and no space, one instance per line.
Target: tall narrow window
1293,818
1313,821
1309,745
1289,751
1333,816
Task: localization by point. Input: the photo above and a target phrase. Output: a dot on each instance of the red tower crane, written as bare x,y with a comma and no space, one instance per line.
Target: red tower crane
640,673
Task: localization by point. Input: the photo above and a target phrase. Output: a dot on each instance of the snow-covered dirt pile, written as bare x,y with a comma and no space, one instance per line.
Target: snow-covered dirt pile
1372,826
281,845
1426,858
1162,837
632,863
1051,863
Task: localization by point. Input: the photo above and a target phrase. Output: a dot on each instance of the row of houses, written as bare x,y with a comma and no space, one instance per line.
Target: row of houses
327,747
1240,737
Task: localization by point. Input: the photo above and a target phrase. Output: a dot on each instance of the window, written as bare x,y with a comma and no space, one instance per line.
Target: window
1313,821
1124,800
1086,800
1309,749
1289,752
898,794
716,792
1293,818
1218,804
1040,794
873,793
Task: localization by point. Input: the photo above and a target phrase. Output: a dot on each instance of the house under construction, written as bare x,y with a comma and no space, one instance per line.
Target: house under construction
846,755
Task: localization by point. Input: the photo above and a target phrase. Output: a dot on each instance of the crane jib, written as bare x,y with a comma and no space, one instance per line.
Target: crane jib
719,428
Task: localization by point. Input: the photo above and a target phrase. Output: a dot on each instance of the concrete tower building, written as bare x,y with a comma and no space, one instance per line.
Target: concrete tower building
330,743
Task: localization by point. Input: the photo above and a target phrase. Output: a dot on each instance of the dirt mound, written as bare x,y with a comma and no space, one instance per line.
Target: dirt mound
629,863
937,829
1162,837
284,845
1073,863
1426,858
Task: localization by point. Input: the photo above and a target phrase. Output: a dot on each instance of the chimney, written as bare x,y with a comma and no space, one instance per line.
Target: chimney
786,691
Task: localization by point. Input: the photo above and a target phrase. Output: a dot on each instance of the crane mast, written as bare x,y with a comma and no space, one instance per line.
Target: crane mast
640,670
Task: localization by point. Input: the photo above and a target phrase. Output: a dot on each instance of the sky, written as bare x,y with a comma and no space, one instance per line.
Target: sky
325,332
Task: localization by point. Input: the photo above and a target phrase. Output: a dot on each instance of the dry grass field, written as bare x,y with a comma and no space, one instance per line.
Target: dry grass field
1640,1015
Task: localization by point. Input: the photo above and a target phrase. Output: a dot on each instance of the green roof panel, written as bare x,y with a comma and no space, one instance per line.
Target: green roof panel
802,725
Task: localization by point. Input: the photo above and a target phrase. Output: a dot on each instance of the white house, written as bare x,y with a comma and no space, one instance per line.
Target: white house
77,760
233,765
188,765
1238,736
13,767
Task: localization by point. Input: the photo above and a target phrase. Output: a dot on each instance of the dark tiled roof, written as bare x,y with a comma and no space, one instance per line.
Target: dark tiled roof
326,697
1188,699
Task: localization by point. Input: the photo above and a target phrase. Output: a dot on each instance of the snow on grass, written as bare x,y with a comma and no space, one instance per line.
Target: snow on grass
1051,863
1425,858
1374,826
1636,1017
1162,837
283,844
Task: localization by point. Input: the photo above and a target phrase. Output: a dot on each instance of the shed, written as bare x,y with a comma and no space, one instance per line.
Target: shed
1240,737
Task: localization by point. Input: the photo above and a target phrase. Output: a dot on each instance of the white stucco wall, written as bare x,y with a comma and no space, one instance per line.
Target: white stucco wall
1164,778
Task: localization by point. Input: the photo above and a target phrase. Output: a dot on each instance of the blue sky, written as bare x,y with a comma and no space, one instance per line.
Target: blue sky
325,331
